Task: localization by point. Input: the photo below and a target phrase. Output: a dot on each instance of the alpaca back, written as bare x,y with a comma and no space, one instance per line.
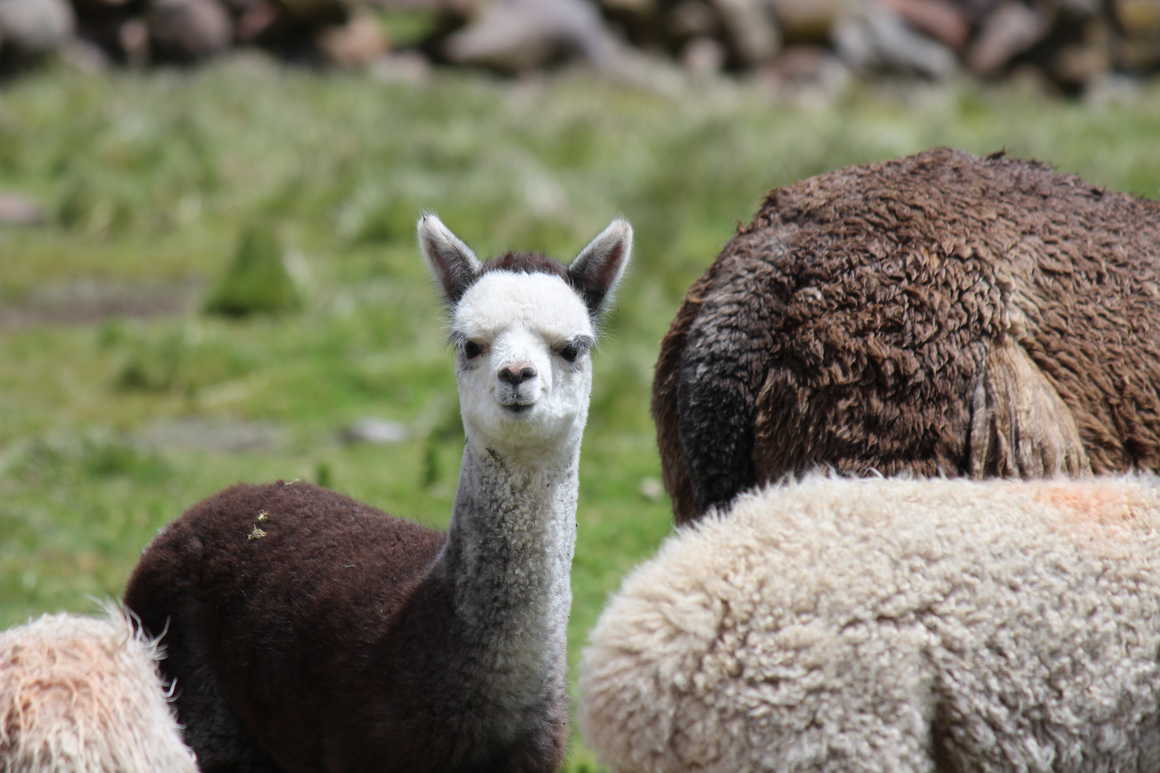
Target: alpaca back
940,313
82,695
296,574
839,624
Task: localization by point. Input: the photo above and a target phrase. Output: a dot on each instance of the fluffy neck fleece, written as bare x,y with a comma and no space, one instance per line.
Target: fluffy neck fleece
507,565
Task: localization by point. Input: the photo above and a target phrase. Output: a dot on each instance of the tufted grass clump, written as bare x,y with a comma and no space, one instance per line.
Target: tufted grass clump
258,281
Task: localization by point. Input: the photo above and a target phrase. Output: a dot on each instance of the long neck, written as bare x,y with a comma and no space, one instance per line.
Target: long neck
507,564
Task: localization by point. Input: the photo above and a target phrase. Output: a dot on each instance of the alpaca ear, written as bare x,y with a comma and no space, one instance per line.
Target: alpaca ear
597,270
451,261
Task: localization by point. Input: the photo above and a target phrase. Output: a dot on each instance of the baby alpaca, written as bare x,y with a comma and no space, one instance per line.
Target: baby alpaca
892,625
311,632
82,695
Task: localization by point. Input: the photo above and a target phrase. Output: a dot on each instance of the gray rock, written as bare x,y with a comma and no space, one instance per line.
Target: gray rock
133,41
943,20
199,433
651,489
806,21
85,302
374,431
401,67
1079,62
703,56
30,28
423,5
84,56
637,69
809,76
1139,22
636,7
522,35
357,42
1081,9
188,30
874,38
1138,18
1113,89
17,209
519,36
752,32
691,19
1007,32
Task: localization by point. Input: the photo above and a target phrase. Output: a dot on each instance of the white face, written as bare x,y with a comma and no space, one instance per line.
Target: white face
524,369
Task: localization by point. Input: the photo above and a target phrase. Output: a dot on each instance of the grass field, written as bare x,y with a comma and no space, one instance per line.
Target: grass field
121,402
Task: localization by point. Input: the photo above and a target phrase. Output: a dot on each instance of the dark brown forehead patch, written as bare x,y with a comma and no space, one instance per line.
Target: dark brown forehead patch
525,263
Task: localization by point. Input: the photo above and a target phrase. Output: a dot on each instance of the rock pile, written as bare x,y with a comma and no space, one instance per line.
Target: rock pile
1070,43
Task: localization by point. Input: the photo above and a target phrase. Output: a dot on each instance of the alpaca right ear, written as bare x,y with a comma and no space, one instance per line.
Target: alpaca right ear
451,261
597,270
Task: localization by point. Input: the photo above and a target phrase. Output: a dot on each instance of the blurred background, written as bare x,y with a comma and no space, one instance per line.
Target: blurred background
208,270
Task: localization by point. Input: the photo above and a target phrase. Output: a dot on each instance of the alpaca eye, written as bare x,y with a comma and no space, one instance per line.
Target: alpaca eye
569,352
471,350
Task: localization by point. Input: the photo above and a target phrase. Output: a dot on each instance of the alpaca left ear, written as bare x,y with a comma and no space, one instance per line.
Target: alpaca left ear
597,270
451,261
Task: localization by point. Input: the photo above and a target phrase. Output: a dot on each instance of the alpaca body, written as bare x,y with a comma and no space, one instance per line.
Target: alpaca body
310,632
936,314
892,625
82,695
273,615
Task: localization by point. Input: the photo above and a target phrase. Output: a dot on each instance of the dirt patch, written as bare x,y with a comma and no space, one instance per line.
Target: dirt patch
86,302
19,210
196,433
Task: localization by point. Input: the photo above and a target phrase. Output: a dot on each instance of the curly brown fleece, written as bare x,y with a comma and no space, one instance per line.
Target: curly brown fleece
940,313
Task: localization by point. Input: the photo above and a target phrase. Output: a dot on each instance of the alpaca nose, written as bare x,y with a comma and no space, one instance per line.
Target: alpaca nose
517,373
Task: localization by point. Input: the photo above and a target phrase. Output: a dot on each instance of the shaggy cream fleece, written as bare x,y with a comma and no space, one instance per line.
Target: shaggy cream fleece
895,625
82,695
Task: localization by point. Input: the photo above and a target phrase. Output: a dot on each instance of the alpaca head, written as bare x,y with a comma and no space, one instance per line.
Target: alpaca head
523,328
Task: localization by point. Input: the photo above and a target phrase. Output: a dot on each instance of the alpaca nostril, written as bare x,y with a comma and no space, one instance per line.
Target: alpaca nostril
517,373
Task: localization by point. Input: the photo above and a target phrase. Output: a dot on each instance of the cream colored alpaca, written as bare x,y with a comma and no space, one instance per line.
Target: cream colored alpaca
890,625
82,695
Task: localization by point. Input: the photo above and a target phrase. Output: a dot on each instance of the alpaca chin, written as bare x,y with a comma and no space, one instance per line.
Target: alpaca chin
536,433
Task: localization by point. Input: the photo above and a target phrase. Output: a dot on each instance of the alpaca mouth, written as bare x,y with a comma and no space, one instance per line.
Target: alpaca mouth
516,407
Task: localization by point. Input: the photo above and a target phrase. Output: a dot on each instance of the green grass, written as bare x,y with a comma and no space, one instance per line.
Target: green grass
151,181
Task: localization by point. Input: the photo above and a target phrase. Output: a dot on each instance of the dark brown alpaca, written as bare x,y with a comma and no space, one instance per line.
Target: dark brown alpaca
937,314
309,632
